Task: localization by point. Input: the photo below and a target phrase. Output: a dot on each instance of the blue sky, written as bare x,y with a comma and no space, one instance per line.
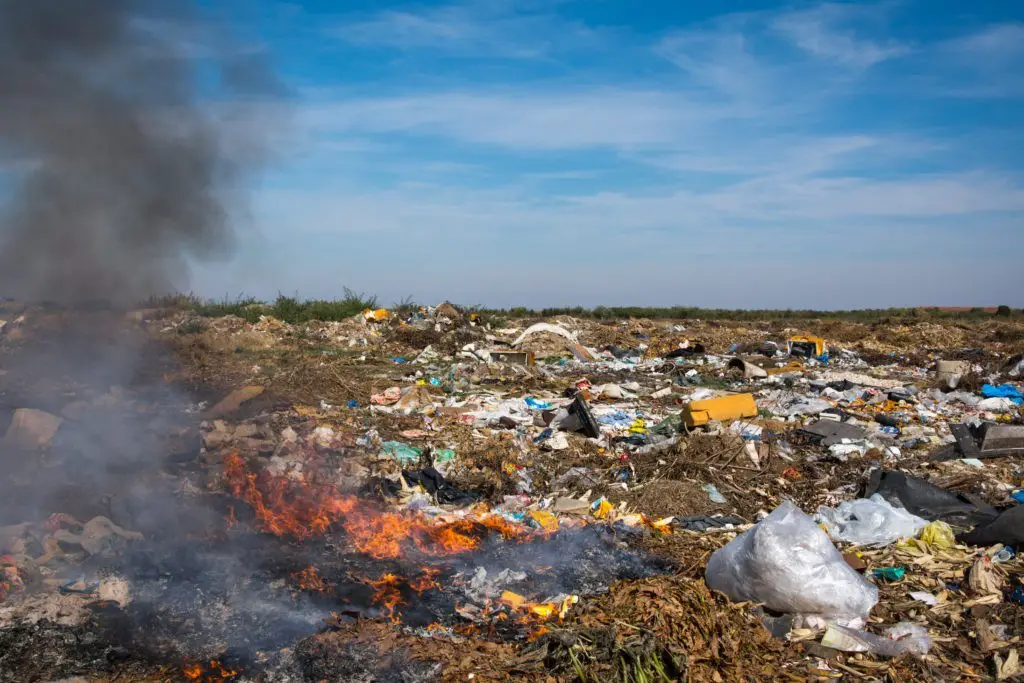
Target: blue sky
725,154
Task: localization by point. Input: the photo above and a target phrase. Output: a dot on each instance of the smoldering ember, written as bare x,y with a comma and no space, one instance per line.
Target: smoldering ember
437,494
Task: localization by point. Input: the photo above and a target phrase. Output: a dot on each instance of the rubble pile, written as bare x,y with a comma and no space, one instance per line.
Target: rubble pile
436,494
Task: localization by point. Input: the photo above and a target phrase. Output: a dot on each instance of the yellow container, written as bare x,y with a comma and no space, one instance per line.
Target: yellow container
724,408
818,342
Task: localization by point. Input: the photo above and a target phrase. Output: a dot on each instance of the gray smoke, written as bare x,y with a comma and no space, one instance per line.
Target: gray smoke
124,145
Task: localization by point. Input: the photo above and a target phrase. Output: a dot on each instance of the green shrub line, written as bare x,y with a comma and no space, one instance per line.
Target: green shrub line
293,310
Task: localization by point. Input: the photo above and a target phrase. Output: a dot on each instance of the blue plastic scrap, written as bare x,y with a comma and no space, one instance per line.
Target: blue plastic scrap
619,418
1004,391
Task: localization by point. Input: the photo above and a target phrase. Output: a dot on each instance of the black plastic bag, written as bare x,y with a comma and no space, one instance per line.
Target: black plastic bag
929,501
1007,529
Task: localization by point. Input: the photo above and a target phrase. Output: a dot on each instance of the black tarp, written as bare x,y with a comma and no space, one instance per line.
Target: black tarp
1007,529
929,501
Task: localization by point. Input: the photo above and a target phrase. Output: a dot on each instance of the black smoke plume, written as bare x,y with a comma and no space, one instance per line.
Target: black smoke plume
126,137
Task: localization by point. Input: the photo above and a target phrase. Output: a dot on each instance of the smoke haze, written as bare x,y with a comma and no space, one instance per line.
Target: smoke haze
125,169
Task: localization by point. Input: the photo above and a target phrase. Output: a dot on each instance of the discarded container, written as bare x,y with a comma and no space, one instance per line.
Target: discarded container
513,357
951,371
732,407
31,429
749,370
807,347
789,564
1001,438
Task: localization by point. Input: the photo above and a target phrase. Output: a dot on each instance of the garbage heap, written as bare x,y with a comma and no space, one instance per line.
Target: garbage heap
642,500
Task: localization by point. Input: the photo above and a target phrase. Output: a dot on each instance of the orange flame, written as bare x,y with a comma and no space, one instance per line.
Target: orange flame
298,509
388,594
426,580
215,672
309,580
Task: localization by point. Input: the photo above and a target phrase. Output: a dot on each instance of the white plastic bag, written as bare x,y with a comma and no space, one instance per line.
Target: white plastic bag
869,521
903,638
789,564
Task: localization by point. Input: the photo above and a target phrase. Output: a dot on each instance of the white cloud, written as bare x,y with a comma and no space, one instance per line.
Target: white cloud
611,118
481,29
1000,42
720,59
826,31
741,156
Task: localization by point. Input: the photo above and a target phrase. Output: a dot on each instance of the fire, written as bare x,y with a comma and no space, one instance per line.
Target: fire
309,580
215,672
284,507
388,594
426,580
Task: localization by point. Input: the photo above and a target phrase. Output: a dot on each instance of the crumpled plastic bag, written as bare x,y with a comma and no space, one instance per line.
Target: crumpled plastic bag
939,534
789,564
869,521
903,638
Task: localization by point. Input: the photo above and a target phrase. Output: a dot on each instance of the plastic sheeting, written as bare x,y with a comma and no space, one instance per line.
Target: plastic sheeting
789,564
545,327
927,500
1007,529
903,638
873,522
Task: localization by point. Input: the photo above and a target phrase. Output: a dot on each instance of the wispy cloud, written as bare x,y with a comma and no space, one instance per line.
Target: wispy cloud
1001,42
829,32
613,118
720,59
481,29
763,145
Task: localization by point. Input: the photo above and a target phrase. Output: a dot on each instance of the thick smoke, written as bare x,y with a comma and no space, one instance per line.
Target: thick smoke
123,146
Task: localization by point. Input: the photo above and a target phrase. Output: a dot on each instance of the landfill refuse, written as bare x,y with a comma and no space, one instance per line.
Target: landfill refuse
903,638
869,521
704,522
789,564
1004,391
938,534
830,433
30,429
493,511
1007,529
748,370
732,407
928,501
889,573
435,484
713,494
805,346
